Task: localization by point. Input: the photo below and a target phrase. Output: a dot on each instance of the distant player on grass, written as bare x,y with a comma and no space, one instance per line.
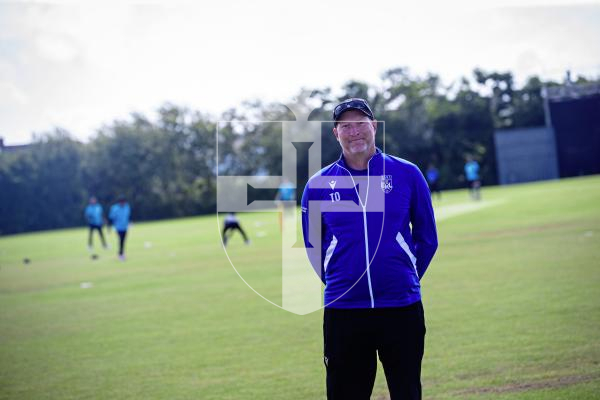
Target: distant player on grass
94,215
433,176
285,199
119,218
231,223
472,176
369,232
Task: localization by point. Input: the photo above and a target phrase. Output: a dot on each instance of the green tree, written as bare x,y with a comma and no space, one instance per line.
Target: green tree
42,185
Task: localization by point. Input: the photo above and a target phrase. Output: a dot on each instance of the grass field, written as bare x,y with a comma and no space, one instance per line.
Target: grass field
512,303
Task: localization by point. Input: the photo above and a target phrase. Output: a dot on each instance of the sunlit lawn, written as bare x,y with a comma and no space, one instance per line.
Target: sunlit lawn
512,304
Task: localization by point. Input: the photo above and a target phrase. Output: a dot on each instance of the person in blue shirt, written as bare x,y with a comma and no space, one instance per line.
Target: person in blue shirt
119,218
94,216
285,199
472,176
433,175
370,233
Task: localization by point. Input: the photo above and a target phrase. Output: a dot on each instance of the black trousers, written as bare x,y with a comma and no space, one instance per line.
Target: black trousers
122,235
353,339
233,226
91,233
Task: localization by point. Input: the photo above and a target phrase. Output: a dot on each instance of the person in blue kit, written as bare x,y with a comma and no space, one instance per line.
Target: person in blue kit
433,175
94,215
472,176
119,218
285,199
370,233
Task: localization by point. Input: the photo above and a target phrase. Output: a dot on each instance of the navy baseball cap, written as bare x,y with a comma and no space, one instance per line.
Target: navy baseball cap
352,104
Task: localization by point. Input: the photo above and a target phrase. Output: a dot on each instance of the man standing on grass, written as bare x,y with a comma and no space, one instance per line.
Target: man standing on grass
472,176
285,199
433,175
370,233
119,217
95,219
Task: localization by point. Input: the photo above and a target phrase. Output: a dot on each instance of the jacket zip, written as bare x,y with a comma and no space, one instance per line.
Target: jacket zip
365,229
367,256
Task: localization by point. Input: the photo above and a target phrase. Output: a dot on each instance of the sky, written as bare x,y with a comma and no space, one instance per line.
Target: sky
82,65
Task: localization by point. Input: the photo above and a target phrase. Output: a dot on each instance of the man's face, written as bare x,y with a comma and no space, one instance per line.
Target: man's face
355,132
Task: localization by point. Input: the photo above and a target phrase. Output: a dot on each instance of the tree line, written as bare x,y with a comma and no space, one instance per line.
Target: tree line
166,166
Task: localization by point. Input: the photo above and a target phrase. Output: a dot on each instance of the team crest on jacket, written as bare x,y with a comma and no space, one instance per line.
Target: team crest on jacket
386,183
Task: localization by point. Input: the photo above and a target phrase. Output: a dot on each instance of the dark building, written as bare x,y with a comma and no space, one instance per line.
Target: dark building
525,155
569,144
575,117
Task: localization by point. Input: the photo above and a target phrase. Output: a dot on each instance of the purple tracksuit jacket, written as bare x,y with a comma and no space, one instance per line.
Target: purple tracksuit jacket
370,235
